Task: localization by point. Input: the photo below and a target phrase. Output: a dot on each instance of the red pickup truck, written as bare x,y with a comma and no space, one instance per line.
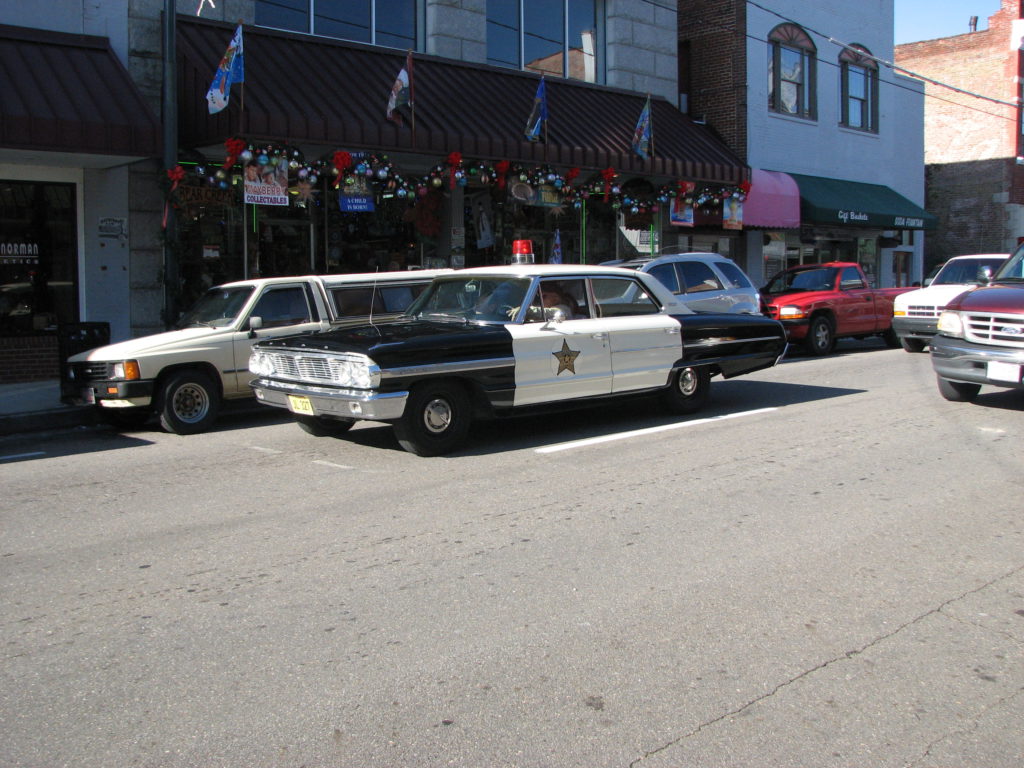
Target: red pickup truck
819,303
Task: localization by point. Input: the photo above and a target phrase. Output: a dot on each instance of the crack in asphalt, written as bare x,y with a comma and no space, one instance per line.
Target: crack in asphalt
973,726
844,657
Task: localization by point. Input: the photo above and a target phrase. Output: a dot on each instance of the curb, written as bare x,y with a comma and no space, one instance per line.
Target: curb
40,421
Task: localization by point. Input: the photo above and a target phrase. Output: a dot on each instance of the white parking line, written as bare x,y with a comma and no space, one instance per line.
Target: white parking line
323,463
648,431
264,450
22,455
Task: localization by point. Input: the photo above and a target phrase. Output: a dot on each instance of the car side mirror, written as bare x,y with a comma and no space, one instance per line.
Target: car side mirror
554,315
255,323
985,275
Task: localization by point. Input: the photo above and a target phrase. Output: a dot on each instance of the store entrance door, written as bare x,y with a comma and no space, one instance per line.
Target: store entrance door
284,247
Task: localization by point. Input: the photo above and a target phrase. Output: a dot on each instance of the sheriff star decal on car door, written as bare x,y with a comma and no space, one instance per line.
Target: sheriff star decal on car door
566,358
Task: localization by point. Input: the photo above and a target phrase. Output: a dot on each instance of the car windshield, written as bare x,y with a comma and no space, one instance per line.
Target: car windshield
216,308
805,280
471,299
1013,269
966,271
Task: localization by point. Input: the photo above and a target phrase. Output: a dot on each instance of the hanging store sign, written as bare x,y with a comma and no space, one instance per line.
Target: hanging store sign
356,203
266,183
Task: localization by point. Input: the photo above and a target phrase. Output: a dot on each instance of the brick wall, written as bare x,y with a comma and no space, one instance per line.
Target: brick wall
717,66
970,143
28,358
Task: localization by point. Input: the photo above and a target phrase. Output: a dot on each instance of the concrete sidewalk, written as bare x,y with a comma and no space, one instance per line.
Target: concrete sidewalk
34,406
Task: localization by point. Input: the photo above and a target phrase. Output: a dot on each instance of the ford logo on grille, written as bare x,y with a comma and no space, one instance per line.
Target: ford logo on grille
1010,330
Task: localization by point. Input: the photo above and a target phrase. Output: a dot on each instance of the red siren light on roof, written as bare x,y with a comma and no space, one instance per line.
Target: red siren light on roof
522,251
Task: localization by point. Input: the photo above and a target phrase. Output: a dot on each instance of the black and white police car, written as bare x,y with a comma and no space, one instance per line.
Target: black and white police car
498,341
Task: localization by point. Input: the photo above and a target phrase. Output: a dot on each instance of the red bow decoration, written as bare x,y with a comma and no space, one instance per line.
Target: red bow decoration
608,174
501,168
176,175
454,161
571,174
341,161
745,186
235,147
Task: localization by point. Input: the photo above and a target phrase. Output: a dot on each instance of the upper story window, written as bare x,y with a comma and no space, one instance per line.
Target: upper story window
792,72
859,76
390,23
550,37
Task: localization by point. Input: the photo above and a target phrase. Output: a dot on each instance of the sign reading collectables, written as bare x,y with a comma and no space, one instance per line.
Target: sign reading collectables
266,183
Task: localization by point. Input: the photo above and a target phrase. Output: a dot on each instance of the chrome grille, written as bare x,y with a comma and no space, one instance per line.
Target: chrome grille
923,310
1000,330
301,366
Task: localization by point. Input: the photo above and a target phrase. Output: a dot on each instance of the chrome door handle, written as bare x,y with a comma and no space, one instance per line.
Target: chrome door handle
599,335
673,331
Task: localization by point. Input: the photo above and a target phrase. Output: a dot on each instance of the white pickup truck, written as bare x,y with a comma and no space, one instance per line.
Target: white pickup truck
915,314
184,375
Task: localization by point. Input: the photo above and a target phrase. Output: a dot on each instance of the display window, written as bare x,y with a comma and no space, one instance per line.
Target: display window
38,256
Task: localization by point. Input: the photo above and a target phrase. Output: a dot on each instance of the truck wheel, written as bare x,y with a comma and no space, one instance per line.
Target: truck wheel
957,391
320,426
913,345
892,341
189,403
820,339
689,390
125,418
436,419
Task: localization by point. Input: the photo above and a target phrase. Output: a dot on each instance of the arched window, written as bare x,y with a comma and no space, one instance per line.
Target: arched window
859,83
792,72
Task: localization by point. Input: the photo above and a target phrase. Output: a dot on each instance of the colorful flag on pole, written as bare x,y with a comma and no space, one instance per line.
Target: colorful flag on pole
556,249
539,113
230,70
642,132
401,91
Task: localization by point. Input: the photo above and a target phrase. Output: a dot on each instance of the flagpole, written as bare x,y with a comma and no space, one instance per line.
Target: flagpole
412,99
651,118
241,98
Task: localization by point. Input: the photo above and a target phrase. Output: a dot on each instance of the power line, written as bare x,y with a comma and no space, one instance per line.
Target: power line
860,52
888,64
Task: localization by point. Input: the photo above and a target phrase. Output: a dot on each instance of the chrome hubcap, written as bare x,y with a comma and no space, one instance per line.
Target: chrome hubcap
688,381
437,416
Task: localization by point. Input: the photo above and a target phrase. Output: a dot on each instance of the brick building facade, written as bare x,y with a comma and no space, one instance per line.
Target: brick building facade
974,184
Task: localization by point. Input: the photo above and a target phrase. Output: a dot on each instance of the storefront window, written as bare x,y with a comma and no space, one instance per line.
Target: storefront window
38,256
390,23
554,38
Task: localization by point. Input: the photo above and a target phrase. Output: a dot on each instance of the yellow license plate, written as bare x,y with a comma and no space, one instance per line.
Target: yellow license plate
299,404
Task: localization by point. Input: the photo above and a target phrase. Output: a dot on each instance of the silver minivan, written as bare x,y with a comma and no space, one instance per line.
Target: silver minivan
706,282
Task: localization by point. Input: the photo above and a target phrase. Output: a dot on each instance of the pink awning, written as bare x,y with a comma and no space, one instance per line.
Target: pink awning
773,201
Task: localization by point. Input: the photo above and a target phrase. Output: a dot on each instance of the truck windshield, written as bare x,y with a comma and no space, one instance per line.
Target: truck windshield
1013,269
965,271
471,299
216,308
806,280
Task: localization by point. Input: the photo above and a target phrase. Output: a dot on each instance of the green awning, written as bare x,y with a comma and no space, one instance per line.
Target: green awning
855,204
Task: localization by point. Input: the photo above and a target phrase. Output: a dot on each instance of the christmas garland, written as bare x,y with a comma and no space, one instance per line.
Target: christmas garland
347,171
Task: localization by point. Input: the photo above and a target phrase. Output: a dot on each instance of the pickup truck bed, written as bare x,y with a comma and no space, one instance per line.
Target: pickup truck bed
819,303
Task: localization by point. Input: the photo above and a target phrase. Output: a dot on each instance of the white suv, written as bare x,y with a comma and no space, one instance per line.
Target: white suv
706,282
915,314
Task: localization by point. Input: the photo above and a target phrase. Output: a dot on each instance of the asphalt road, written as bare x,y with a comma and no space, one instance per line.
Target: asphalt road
824,568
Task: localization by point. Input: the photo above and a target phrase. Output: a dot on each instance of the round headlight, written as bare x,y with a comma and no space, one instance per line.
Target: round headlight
259,363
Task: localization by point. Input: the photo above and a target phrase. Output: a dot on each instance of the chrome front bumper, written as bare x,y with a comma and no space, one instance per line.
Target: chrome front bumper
326,401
